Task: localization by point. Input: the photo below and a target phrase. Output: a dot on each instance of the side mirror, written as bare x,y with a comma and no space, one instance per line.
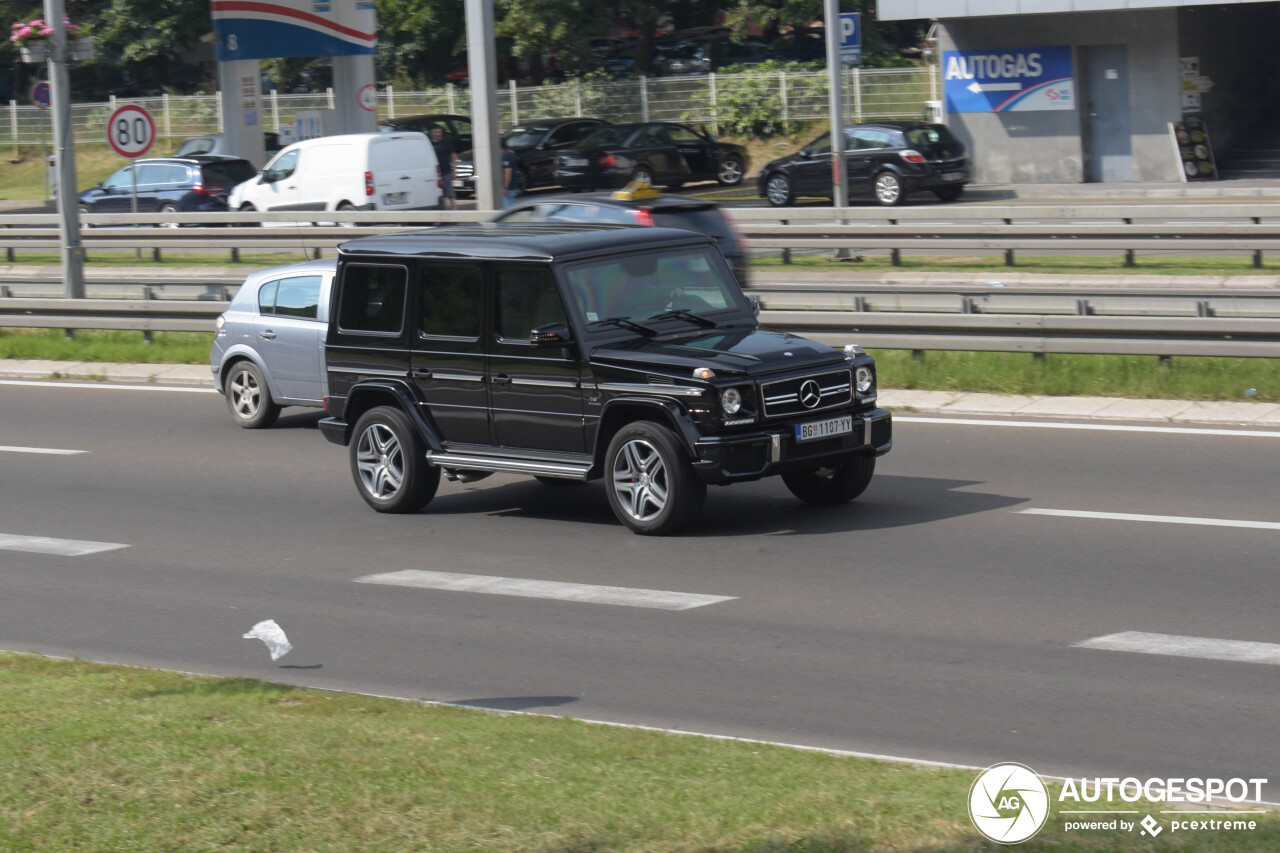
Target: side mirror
551,335
803,153
270,176
755,306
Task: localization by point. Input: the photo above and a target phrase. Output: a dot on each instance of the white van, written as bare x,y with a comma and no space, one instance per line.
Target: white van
358,171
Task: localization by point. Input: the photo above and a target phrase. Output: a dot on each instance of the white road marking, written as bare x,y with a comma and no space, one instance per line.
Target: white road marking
1208,648
1159,519
53,383
1238,433
581,592
50,450
60,547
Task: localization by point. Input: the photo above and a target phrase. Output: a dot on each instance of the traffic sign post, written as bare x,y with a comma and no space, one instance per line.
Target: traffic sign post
131,131
42,94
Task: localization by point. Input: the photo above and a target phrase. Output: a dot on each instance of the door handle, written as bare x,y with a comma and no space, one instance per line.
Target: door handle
405,178
268,334
422,373
500,379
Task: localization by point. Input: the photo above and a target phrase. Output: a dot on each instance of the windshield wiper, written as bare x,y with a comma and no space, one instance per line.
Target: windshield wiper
625,323
682,314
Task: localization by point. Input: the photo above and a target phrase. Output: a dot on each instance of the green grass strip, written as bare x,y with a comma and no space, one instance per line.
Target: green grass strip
1139,377
99,757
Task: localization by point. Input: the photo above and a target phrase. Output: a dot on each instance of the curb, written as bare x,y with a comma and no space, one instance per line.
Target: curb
901,401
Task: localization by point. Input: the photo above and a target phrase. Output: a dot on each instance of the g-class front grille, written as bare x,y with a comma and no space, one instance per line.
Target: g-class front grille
804,394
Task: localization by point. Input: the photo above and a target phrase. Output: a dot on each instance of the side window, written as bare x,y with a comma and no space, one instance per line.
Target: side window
680,133
527,300
299,297
372,299
150,174
122,178
452,301
524,214
285,165
267,298
177,174
821,145
871,138
570,213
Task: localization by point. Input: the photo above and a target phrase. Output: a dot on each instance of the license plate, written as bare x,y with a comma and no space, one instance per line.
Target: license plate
575,161
814,430
395,198
953,176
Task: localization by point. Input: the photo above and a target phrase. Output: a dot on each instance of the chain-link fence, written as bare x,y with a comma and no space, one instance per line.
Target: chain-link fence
730,103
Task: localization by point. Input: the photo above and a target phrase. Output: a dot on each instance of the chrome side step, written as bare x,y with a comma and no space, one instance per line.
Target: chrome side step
475,462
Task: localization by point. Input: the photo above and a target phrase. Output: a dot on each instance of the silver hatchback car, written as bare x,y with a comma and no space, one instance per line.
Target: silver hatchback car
269,348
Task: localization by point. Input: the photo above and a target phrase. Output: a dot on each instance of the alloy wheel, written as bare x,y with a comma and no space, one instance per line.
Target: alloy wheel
640,480
380,461
246,394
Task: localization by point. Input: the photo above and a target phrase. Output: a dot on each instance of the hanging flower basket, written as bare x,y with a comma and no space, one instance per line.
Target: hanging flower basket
35,52
78,50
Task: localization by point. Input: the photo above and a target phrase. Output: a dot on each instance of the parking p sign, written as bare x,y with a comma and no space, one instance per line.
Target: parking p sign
850,38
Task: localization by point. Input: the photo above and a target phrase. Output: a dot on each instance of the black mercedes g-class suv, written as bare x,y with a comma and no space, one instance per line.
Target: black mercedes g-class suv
574,353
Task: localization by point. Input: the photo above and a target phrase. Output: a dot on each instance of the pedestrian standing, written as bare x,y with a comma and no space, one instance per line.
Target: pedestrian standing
509,166
448,160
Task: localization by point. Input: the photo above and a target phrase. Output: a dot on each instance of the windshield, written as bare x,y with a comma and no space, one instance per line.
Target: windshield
640,286
525,136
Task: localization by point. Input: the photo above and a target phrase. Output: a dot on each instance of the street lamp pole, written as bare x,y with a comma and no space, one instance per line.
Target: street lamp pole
71,249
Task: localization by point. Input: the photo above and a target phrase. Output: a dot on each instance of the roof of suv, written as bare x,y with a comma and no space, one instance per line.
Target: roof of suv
523,241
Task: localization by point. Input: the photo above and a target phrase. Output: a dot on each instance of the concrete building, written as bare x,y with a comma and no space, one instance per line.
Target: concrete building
1052,91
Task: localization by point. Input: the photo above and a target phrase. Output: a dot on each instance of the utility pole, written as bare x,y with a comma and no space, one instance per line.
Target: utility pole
835,74
71,249
482,66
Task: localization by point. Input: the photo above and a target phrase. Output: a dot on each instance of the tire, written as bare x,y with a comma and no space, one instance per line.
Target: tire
835,484
249,208
652,487
642,173
166,209
888,189
248,396
389,462
84,211
778,190
732,171
949,193
558,482
346,207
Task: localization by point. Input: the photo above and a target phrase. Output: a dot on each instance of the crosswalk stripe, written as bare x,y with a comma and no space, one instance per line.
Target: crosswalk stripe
59,547
1175,645
579,592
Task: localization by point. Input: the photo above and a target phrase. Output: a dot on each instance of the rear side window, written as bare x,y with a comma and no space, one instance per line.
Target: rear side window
372,299
930,134
227,172
299,297
452,301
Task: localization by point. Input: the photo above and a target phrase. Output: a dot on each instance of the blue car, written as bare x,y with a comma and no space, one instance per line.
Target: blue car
169,185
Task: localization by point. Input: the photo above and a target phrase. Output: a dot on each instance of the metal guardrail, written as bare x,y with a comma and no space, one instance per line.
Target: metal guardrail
1165,320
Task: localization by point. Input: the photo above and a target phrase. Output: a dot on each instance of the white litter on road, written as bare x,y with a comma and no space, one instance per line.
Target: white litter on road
273,635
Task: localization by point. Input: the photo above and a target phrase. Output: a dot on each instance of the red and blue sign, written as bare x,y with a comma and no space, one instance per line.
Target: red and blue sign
251,29
42,94
1008,79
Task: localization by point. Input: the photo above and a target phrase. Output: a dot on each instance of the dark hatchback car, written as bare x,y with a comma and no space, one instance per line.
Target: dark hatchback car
577,353
457,129
660,153
536,145
886,161
169,185
639,206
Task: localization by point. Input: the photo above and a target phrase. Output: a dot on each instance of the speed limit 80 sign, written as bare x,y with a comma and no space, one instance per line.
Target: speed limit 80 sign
131,131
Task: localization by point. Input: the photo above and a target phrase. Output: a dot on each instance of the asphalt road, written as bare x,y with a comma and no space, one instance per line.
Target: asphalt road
931,619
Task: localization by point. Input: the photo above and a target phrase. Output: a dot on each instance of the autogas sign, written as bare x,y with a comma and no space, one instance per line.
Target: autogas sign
1007,79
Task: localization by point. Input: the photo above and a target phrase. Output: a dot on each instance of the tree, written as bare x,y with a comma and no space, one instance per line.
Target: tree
418,40
556,27
880,39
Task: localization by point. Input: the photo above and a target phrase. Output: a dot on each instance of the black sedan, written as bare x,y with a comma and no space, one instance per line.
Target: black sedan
660,153
886,160
638,205
536,144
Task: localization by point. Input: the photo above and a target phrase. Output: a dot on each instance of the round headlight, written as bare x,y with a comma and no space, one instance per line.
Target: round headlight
730,401
865,379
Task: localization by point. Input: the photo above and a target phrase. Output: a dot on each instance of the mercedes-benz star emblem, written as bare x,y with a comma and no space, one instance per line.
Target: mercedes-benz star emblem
810,394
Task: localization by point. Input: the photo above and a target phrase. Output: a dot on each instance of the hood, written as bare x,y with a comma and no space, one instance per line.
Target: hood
752,352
